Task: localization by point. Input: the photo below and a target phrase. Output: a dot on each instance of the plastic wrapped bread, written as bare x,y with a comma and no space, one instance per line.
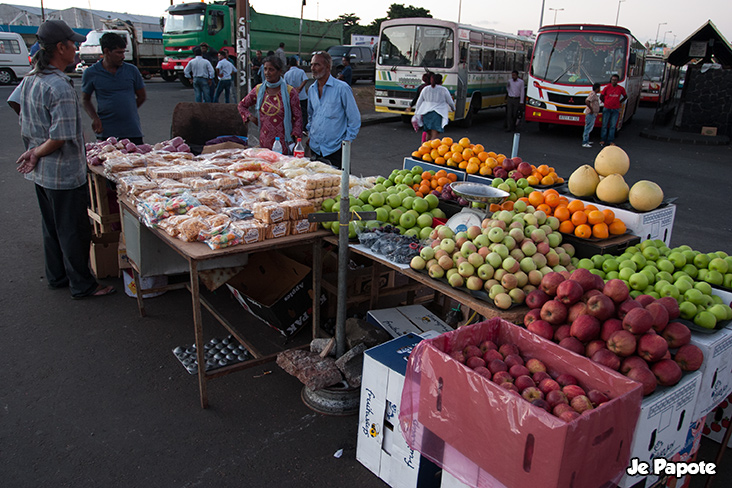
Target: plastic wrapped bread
252,230
298,209
270,212
280,229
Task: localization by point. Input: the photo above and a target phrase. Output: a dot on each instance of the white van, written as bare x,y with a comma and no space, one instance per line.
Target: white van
14,60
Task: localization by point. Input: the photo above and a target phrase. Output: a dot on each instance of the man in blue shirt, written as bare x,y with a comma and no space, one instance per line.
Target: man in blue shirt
332,110
296,78
119,91
224,70
202,73
347,72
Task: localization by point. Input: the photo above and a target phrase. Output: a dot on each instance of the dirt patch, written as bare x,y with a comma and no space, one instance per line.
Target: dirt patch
364,95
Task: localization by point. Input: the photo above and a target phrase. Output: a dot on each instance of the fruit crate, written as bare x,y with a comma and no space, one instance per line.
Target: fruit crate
616,245
499,434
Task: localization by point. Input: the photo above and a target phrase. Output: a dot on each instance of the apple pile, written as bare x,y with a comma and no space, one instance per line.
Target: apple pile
506,256
516,188
96,151
652,268
600,320
528,377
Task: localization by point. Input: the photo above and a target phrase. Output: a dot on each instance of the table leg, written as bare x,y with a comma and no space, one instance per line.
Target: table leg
138,292
198,330
317,278
375,276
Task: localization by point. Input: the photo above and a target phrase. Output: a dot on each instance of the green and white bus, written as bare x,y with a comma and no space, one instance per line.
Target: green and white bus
475,64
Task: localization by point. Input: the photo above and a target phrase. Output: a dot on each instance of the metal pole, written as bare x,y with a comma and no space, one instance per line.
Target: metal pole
515,148
460,10
657,30
241,37
43,12
617,17
541,17
344,218
299,37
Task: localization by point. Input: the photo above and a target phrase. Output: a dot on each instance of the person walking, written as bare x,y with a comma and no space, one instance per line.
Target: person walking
51,127
202,74
433,107
347,71
119,91
257,62
593,108
280,53
224,71
297,78
612,97
277,107
516,92
332,112
212,57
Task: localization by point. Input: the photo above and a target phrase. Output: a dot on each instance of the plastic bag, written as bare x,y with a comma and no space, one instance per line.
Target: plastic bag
221,237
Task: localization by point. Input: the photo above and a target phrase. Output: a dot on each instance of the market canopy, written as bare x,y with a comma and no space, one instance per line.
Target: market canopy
706,43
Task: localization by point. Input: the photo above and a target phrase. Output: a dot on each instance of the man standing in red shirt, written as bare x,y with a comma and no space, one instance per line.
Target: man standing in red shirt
612,97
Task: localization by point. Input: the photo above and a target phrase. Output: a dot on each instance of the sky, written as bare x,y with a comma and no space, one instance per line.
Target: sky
642,17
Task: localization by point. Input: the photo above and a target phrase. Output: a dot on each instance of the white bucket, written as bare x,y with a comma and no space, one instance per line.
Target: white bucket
145,283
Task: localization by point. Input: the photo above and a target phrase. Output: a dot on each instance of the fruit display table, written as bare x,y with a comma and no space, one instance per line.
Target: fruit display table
152,251
487,310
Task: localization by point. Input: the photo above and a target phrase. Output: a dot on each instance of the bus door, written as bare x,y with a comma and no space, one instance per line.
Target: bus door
461,93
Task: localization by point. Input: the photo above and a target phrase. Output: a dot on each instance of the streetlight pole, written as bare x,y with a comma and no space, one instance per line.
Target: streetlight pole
658,29
617,17
460,10
555,13
664,36
541,17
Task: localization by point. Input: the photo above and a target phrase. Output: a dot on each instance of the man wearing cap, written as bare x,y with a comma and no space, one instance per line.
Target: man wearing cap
50,124
119,92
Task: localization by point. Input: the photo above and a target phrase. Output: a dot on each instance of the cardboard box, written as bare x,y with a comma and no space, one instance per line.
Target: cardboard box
718,421
709,131
380,445
276,290
413,319
664,422
687,455
103,255
410,163
501,433
122,261
716,382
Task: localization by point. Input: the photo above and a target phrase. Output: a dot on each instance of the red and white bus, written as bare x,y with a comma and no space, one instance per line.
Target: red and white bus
569,59
660,80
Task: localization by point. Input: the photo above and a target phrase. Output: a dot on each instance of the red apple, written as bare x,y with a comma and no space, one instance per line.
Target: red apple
688,357
652,347
536,299
492,354
608,327
572,344
562,332
645,377
535,365
476,362
617,290
667,372
579,308
638,321
541,328
569,416
584,278
581,403
541,403
632,362
497,365
676,334
487,346
471,351
550,282
540,376
548,385
458,356
513,360
507,349
586,328
566,379
532,315
531,393
590,293
645,300
561,407
502,377
597,397
573,390
522,382
660,316
507,385
672,306
483,372
593,346
569,292
626,307
518,370
622,343
554,312
601,307
607,358
555,397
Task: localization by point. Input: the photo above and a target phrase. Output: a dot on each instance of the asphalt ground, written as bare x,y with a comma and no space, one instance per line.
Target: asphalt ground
91,394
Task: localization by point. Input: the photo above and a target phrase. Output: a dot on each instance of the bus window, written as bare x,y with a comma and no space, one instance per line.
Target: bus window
511,44
488,55
489,40
475,63
500,63
476,38
509,61
428,46
520,63
501,42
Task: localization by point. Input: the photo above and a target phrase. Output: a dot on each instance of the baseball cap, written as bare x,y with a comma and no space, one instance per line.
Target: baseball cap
53,31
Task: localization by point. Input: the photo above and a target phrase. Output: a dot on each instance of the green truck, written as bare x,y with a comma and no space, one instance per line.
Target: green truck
187,25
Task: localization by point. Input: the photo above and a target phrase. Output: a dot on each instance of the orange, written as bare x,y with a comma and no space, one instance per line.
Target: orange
457,157
563,201
435,143
560,180
456,148
440,160
551,199
472,167
452,176
583,230
416,154
427,158
600,231
447,141
500,158
474,160
443,180
467,153
589,208
494,207
536,198
575,206
567,227
433,184
507,205
447,155
609,216
543,169
483,156
532,180
485,170
547,180
491,154
425,188
441,174
439,189
426,175
451,163
545,208
462,164
443,149
478,148
595,217
418,194
435,154
562,213
415,187
465,142
492,162
617,227
579,218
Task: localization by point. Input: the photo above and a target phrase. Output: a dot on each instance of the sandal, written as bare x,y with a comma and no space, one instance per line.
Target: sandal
100,291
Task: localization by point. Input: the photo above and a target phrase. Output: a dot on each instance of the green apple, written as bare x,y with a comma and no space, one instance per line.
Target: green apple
659,285
705,319
639,259
436,213
651,268
407,221
646,244
598,272
638,281
625,273
682,285
678,259
682,274
664,250
424,233
420,204
406,201
424,220
689,255
628,264
664,275
670,291
705,288
394,216
701,274
721,312
610,264
612,275
694,296
431,200
719,265
687,310
635,293
691,270
632,250
394,200
701,260
651,253
714,277
597,260
665,265
650,275
586,263
727,281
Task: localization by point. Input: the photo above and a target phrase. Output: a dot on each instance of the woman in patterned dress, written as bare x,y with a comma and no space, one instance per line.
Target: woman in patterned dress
277,107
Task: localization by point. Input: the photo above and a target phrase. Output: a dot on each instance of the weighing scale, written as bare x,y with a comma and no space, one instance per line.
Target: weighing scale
478,193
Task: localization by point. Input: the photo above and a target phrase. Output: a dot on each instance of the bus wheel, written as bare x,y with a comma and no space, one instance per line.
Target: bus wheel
407,119
467,122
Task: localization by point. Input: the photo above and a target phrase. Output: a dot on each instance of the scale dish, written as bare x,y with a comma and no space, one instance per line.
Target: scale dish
478,192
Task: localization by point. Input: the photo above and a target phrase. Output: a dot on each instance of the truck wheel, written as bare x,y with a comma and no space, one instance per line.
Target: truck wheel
6,77
168,75
186,82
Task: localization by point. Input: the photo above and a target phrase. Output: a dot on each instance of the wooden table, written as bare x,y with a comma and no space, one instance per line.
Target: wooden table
488,310
102,218
198,254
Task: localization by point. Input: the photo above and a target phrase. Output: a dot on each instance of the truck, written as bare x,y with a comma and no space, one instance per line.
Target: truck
145,53
187,25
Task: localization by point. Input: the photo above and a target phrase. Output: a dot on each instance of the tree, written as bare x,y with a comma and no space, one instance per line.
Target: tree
397,11
350,26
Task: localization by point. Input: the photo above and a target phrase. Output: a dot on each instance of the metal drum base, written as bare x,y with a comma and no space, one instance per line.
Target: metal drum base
338,401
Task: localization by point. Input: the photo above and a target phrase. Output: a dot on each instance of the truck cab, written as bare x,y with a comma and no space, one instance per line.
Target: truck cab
362,61
90,50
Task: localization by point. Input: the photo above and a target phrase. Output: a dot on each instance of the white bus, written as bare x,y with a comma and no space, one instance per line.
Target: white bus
475,64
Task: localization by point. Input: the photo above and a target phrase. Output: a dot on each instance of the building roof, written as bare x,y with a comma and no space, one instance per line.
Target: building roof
705,43
105,14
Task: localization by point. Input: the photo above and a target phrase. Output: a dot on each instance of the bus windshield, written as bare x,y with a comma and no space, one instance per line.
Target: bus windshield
180,23
417,45
579,58
653,70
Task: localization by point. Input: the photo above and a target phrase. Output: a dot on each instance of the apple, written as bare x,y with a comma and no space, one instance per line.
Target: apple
484,372
541,403
585,328
601,307
689,357
645,300
541,328
562,332
555,397
645,377
532,315
577,309
622,343
508,349
523,381
472,351
485,271
436,271
532,393
502,377
676,334
566,379
474,283
633,362
609,327
652,347
548,385
509,281
660,316
573,391
626,307
554,312
537,299
607,358
519,370
581,403
458,356
476,260
455,280
638,321
512,360
497,365
593,346
569,416
597,397
535,365
474,362
667,372
550,282
572,344
569,292
491,355
617,290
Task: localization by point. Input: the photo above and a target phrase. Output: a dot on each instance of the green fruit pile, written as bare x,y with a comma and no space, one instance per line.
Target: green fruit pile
652,268
516,188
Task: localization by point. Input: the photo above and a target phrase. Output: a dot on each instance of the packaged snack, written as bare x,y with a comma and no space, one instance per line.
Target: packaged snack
172,223
302,227
252,230
298,209
202,211
225,181
199,183
189,229
181,204
270,212
135,184
280,229
218,220
215,199
221,236
238,213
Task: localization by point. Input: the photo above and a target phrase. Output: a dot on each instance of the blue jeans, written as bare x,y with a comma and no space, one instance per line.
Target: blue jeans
223,86
589,125
609,120
201,89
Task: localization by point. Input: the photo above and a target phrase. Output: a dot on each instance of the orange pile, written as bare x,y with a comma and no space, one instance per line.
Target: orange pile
543,175
584,221
472,158
433,182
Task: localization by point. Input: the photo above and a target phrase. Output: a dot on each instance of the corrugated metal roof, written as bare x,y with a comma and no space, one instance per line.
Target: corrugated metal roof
142,19
709,34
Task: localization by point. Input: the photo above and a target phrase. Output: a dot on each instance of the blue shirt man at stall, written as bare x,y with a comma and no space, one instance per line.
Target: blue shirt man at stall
119,91
332,112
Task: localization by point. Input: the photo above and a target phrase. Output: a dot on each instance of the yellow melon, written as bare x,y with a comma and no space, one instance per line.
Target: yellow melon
612,189
583,181
612,160
645,196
